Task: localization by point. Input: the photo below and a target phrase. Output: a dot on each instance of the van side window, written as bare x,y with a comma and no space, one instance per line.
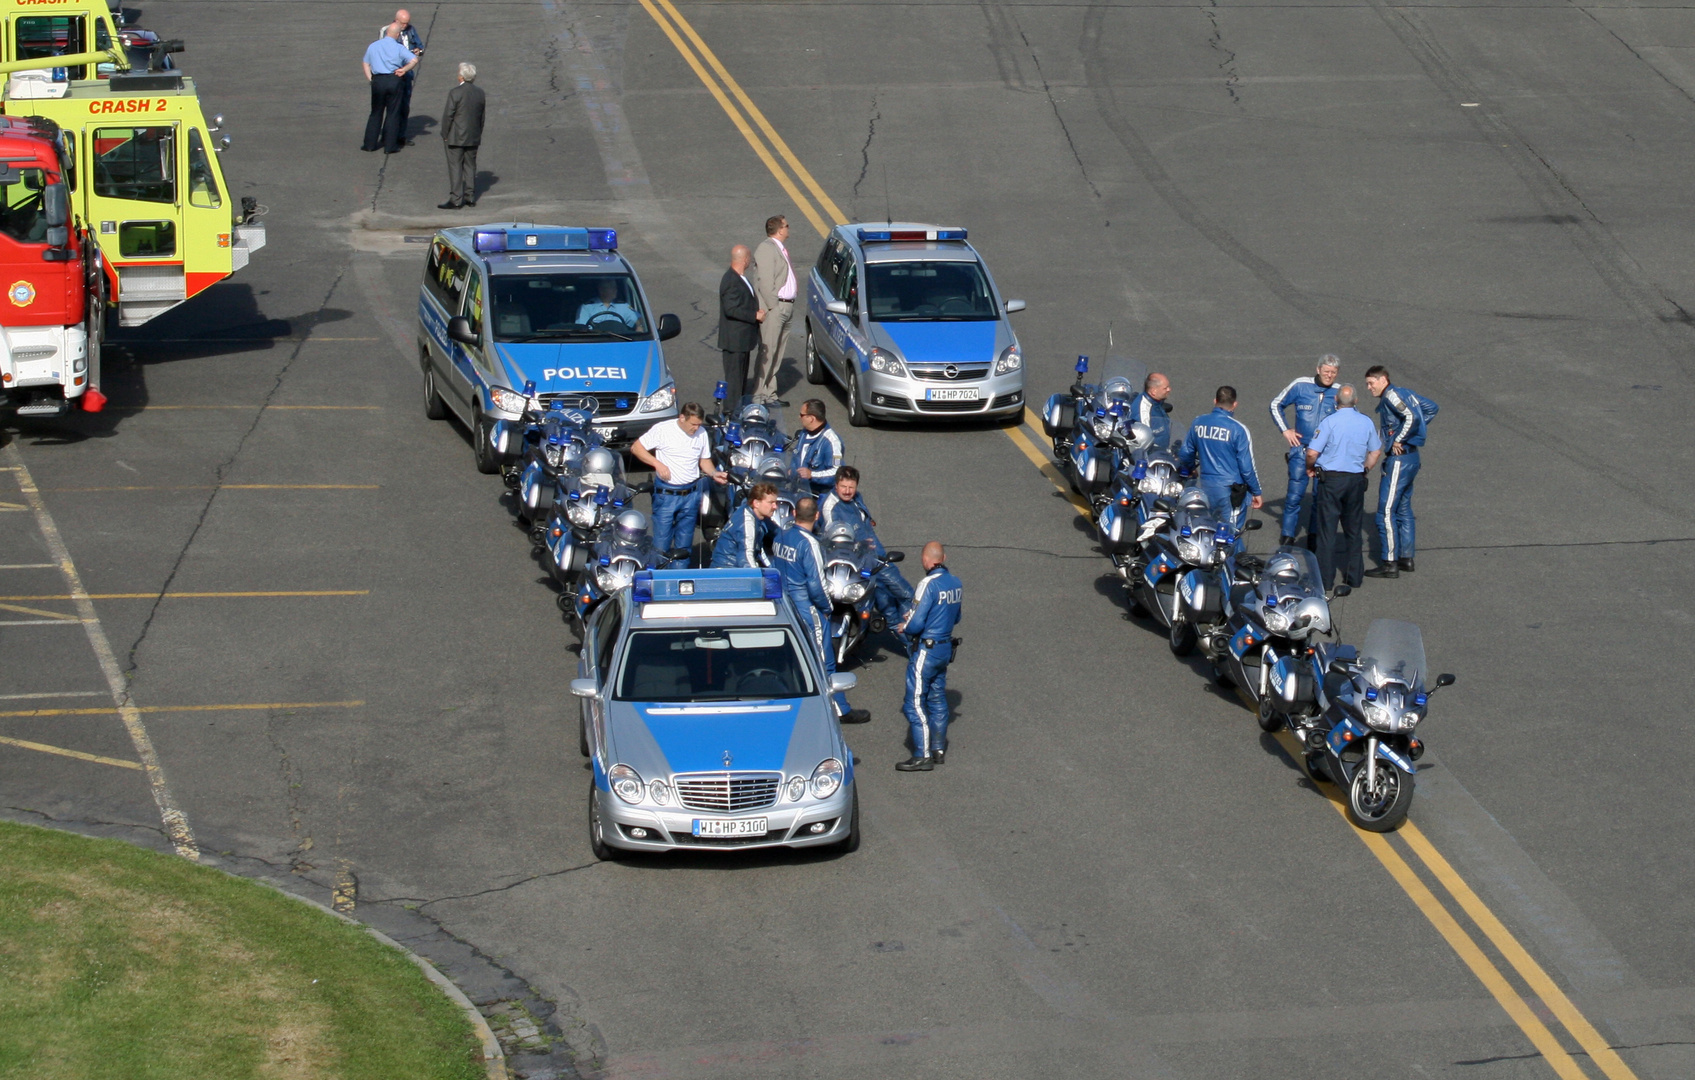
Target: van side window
444,275
474,305
830,263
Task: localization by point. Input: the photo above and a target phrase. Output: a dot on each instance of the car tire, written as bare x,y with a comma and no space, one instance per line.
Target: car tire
856,407
814,364
851,844
483,451
602,850
434,407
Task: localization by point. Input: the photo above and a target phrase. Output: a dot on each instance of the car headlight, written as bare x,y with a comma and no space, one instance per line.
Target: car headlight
887,363
626,783
796,788
1188,550
856,592
506,400
827,778
1276,621
660,792
662,398
1012,359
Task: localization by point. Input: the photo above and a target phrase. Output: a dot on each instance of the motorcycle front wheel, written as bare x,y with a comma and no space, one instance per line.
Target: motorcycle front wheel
1383,806
1182,637
1269,718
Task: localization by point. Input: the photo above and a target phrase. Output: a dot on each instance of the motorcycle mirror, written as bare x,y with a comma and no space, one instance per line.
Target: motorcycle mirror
1341,590
643,488
1253,524
1444,680
897,556
584,688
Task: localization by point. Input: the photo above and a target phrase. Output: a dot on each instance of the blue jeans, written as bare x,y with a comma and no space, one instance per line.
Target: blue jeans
674,516
817,623
1298,484
926,702
1396,528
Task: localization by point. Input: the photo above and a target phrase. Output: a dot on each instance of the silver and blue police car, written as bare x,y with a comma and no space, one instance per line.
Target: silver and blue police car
508,305
908,320
707,716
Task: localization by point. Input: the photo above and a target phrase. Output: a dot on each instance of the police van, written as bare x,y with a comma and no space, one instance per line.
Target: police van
504,306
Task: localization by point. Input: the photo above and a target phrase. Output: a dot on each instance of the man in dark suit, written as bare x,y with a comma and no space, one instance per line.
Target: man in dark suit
462,132
739,317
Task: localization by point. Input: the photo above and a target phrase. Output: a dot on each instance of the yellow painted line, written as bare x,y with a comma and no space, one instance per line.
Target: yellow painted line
226,487
181,596
1534,976
25,744
1046,468
232,340
12,506
38,612
245,707
300,408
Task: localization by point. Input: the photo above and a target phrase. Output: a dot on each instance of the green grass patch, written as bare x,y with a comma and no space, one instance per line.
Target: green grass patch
120,962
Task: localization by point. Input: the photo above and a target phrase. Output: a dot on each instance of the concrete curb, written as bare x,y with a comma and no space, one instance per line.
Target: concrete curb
494,1059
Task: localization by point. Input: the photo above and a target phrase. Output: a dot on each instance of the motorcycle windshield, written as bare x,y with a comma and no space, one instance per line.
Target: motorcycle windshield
842,544
1393,651
1291,571
1118,373
758,428
601,469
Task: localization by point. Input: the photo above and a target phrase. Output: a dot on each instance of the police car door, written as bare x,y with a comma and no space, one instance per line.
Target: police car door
845,334
471,362
444,294
600,642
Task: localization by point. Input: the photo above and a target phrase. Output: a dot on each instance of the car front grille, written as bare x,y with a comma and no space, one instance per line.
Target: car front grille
940,374
609,404
728,793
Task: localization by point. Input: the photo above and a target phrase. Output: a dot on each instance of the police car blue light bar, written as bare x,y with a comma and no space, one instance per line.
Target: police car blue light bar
562,238
661,585
867,236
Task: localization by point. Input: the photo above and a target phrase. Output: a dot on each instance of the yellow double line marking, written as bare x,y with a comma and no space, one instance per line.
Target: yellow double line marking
181,596
260,706
822,212
60,751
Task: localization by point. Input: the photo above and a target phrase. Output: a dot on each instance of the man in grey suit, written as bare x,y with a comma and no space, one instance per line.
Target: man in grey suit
462,131
739,316
776,285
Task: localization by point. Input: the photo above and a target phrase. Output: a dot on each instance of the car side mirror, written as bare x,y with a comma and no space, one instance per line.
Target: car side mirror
1444,680
55,206
1014,305
840,682
669,327
459,329
584,688
896,556
836,307
1253,523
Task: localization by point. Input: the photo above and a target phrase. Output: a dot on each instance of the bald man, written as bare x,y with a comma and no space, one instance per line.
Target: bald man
1150,408
928,628
408,36
739,317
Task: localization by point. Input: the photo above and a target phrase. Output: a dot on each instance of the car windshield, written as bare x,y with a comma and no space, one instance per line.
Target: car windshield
754,664
579,307
929,292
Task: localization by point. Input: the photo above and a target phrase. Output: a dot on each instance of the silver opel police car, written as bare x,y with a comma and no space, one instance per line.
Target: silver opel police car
907,319
706,713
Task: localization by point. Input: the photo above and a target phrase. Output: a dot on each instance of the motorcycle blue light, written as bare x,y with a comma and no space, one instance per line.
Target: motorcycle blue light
600,497
721,391
1082,365
867,573
1100,410
575,495
642,586
605,560
773,585
1421,699
1371,693
1187,530
617,502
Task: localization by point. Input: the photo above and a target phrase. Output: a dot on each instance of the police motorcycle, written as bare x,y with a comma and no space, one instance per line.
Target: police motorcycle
851,565
1090,425
1139,503
1364,741
1190,557
1280,637
742,442
585,504
555,440
614,558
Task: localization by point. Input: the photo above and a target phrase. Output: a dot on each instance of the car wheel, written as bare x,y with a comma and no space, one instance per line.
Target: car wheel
602,850
851,844
481,446
434,407
815,373
856,407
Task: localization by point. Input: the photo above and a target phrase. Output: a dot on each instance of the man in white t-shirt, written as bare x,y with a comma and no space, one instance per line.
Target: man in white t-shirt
678,451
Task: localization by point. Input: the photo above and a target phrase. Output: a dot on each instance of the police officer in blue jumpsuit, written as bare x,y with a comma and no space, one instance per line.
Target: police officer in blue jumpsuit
1313,397
891,592
748,533
1403,434
817,449
1150,408
1224,451
796,555
936,607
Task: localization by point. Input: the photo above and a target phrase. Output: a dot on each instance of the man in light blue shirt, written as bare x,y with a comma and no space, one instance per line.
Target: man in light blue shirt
386,62
1340,454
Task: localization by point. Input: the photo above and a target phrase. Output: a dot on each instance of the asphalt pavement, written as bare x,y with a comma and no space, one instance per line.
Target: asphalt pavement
350,668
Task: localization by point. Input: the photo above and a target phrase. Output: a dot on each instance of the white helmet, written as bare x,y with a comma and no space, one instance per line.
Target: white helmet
630,527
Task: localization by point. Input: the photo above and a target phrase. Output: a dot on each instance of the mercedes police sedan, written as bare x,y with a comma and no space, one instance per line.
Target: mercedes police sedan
908,320
507,305
707,716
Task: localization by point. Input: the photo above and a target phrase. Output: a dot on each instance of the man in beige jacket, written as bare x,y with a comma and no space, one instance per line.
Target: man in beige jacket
777,286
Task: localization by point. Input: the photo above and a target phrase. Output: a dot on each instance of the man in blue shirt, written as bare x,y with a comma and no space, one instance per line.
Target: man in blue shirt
1313,397
928,628
1403,434
798,557
817,449
1343,449
1223,450
748,532
1149,408
386,62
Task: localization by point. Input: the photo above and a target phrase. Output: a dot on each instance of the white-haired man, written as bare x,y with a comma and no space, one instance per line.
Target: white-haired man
462,132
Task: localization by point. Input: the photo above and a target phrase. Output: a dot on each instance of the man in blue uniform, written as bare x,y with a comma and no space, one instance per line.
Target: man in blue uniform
891,591
386,62
748,533
796,555
1340,454
928,628
1403,434
1223,450
817,450
1313,397
1150,408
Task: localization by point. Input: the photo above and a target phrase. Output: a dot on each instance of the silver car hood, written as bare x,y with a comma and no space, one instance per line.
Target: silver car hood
658,739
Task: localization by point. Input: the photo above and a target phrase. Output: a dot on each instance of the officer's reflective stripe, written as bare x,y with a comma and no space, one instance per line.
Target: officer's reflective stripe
1278,402
1397,403
1386,519
828,508
918,702
750,526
